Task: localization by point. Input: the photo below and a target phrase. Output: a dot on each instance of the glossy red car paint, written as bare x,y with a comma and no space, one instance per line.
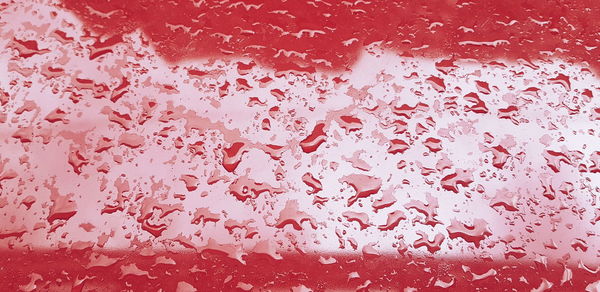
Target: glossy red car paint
299,145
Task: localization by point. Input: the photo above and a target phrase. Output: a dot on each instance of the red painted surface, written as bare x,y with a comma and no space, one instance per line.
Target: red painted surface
265,30
212,272
243,145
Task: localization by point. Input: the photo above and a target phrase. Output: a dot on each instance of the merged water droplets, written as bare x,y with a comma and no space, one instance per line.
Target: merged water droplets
247,170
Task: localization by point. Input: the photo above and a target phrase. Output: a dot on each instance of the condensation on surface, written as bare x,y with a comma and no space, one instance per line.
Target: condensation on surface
125,171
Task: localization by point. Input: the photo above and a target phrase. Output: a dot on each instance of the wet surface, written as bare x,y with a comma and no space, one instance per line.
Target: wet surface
182,146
